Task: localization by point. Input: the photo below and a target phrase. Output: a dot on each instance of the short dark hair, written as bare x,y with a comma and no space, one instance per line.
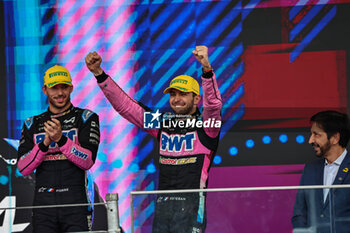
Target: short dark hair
333,122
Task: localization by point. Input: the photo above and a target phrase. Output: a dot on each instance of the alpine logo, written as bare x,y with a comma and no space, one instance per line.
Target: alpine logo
176,142
69,120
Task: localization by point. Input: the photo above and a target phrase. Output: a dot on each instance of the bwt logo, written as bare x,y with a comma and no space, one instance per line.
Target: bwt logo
175,143
151,120
71,134
78,153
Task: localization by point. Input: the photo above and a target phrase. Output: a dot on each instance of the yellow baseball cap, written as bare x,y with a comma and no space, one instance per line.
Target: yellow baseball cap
56,75
183,83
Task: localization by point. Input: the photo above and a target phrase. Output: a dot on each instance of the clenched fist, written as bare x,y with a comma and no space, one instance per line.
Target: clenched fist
93,63
201,54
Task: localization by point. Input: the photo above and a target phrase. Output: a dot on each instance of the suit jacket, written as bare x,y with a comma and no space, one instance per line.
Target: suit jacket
310,211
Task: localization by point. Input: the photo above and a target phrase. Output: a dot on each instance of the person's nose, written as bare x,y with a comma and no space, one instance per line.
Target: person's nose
311,139
176,98
59,92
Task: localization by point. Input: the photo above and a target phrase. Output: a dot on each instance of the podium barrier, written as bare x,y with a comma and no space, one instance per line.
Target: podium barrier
250,208
241,210
111,205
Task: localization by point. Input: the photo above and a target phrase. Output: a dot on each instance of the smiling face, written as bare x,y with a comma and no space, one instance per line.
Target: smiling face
184,103
319,140
59,97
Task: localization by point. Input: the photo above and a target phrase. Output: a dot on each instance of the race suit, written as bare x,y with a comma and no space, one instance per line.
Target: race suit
185,155
60,168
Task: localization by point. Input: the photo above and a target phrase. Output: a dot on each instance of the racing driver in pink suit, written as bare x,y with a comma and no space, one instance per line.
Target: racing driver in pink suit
187,140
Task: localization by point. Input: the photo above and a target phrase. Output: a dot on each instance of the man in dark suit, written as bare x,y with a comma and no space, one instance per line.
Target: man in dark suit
325,210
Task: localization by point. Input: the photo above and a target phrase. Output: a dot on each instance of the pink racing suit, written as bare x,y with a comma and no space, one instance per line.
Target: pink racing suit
185,153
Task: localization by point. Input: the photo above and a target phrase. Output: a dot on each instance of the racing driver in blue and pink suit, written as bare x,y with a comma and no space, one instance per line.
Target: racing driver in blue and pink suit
60,145
186,149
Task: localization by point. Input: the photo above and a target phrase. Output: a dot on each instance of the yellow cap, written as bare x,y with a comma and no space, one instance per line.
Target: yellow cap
183,83
56,75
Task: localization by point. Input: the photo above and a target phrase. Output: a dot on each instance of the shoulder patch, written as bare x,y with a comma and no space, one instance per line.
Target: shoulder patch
86,114
29,122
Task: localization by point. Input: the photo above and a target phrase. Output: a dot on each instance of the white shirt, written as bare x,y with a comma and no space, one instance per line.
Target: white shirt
330,172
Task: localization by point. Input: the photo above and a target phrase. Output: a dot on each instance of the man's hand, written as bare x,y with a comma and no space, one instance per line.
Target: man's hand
93,63
47,141
53,129
201,54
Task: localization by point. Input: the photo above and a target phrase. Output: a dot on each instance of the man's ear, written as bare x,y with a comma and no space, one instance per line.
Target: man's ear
71,89
335,139
44,90
196,98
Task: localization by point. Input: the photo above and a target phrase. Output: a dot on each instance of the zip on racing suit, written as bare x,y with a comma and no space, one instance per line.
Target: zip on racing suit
185,156
60,168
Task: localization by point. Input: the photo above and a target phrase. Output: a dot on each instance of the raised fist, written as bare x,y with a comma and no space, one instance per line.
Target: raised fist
201,54
93,63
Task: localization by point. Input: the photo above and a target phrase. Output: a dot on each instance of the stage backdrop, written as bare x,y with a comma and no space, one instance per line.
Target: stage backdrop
277,63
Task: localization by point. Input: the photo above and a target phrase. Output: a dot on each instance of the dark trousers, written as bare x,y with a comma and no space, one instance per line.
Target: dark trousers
180,213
